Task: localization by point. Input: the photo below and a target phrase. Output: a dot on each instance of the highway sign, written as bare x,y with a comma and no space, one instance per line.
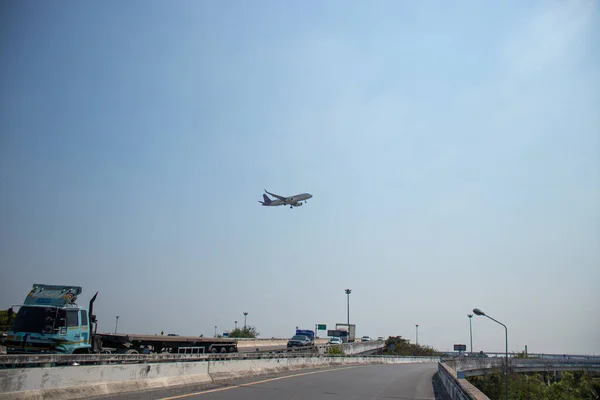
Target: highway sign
321,327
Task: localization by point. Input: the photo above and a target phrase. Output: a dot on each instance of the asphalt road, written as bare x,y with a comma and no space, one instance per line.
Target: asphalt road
370,382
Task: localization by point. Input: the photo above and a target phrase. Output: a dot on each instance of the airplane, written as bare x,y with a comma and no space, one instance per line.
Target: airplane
292,201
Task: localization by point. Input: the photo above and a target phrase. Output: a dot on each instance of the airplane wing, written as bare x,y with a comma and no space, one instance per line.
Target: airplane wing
277,196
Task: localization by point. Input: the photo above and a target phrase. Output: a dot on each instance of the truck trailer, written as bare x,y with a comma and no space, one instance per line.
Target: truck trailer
50,321
348,332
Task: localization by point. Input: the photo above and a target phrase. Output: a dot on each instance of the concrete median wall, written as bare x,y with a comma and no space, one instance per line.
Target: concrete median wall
271,342
83,381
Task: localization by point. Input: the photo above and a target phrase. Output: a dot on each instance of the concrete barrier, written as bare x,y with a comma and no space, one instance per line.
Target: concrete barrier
83,381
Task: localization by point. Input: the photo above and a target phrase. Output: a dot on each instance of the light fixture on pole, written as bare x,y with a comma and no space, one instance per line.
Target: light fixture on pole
245,315
348,291
235,324
215,331
471,330
477,311
116,324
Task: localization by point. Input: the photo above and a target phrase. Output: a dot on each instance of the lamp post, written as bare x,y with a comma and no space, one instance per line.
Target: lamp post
245,315
235,325
477,311
471,330
215,331
417,326
116,324
348,291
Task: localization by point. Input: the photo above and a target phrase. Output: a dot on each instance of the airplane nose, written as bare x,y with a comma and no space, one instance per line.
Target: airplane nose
309,196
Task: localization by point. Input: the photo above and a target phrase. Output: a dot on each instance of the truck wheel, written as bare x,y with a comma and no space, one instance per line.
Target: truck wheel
213,350
223,350
132,351
232,349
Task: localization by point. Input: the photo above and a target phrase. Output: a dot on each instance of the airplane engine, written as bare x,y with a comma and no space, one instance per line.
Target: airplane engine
297,204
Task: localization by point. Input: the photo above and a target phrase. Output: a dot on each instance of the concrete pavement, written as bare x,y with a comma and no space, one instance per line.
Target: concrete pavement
373,382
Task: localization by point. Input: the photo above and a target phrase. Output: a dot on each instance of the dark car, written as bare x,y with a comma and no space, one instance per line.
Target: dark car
299,341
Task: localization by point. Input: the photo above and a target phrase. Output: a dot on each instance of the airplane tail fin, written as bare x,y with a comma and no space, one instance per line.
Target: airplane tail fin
267,200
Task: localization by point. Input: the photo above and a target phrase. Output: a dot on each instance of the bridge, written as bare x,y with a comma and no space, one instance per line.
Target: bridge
264,374
452,373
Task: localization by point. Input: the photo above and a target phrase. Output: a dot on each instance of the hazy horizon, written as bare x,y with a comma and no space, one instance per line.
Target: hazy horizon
453,152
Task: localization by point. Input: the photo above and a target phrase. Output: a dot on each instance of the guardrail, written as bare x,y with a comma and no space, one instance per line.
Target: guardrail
47,360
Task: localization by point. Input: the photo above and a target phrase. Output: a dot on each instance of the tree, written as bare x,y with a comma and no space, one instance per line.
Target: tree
245,332
396,345
6,319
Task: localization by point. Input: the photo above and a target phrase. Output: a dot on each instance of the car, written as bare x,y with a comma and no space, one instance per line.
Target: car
335,340
365,339
299,341
381,338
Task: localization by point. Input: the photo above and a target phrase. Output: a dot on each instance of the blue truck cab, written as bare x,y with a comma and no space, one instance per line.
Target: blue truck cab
49,321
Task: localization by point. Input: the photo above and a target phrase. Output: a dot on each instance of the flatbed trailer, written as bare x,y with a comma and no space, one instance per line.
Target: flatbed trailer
139,343
50,321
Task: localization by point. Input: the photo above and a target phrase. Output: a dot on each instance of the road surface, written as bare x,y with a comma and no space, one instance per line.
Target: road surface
367,382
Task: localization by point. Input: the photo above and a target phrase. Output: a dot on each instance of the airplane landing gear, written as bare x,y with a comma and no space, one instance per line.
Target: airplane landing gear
291,207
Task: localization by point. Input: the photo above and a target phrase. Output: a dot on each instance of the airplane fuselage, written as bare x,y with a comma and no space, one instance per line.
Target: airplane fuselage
292,201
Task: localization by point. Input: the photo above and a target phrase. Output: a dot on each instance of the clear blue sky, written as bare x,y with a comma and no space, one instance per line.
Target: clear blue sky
453,151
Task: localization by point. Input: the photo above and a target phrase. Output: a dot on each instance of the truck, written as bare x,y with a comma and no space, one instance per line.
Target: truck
347,332
306,332
50,321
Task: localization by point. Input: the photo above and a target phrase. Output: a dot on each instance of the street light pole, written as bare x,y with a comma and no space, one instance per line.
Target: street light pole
348,291
215,331
471,330
116,324
245,315
477,311
417,325
235,325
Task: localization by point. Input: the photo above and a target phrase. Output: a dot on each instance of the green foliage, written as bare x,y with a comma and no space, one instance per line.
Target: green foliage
571,386
335,350
5,321
396,345
245,332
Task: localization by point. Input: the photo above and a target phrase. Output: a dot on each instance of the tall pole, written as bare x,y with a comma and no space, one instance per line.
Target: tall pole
348,291
471,330
417,326
236,325
479,312
215,331
116,324
245,315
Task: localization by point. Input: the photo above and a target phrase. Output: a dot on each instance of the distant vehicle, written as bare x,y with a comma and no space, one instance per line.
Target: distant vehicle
346,332
299,341
365,339
380,338
335,340
292,201
306,332
172,334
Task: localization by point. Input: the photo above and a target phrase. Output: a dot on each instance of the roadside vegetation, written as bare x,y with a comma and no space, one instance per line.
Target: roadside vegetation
335,350
5,320
245,332
396,345
570,386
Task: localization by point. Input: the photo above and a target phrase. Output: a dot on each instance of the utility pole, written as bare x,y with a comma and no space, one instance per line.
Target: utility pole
245,315
417,326
348,291
116,324
471,330
235,325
